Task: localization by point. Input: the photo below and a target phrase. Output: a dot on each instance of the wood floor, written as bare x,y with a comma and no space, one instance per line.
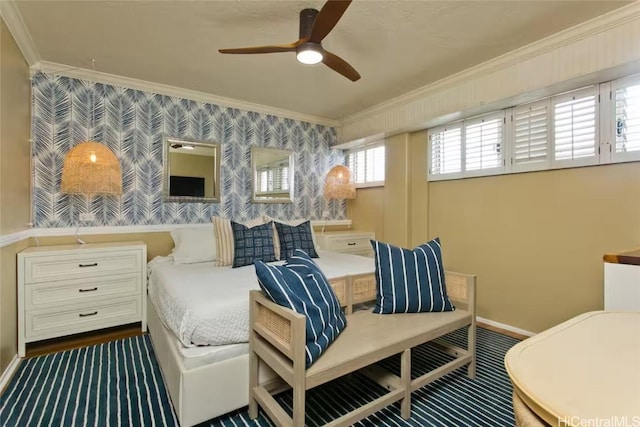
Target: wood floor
133,329
81,340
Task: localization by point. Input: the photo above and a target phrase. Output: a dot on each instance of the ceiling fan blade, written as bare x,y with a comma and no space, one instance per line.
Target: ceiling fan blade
340,65
264,49
327,18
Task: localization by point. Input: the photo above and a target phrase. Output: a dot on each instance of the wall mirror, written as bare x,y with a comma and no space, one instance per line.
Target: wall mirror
272,175
191,171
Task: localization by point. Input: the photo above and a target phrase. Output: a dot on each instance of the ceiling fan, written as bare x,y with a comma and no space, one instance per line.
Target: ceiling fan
314,27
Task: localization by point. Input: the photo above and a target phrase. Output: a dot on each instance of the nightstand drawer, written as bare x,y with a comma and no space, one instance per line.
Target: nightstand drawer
53,322
348,244
78,265
44,295
352,242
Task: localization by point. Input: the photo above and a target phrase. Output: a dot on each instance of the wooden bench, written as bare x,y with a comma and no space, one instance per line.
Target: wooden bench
277,338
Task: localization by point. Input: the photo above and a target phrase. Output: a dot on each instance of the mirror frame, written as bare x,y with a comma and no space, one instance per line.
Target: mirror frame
167,171
254,178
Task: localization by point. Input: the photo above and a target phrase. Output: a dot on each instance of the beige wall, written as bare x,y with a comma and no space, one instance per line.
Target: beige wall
15,181
535,240
367,210
8,303
15,163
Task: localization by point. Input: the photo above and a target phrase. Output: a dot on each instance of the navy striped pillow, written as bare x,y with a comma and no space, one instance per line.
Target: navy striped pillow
410,281
305,290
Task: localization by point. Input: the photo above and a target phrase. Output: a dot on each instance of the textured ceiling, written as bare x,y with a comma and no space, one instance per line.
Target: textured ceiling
396,46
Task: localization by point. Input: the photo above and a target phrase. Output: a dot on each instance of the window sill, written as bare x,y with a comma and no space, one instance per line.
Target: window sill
370,184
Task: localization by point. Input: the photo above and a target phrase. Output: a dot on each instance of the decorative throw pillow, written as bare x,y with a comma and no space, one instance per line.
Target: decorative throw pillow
224,238
305,290
276,239
252,244
295,237
197,244
410,281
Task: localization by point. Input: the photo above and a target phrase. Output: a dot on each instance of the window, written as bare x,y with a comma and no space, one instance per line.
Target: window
446,150
531,140
367,166
626,123
467,148
575,128
594,125
483,143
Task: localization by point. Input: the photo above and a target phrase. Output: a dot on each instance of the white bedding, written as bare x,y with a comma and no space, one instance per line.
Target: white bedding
208,305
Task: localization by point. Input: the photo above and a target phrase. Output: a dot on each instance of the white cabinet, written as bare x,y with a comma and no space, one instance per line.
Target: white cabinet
622,281
69,289
354,242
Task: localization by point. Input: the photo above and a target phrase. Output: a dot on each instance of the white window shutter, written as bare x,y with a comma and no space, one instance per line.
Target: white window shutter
626,96
445,152
484,143
531,136
575,128
367,165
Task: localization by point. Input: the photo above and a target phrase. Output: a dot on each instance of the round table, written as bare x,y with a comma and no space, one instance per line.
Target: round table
584,371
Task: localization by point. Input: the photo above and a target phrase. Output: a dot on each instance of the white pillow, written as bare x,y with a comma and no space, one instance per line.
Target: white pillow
194,245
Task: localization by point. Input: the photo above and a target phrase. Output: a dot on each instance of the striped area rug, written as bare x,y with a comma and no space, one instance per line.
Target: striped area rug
119,383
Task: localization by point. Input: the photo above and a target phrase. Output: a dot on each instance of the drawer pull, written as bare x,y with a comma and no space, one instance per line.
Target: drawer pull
351,244
95,264
88,314
88,290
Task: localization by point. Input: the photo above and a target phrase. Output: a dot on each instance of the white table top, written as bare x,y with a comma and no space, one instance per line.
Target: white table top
587,368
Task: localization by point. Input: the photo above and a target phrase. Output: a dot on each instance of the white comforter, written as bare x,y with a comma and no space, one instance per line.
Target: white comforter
208,305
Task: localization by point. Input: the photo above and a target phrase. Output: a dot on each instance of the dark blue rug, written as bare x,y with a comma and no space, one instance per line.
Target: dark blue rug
119,383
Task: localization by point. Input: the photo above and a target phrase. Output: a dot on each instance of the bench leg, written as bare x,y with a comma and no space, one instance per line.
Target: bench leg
405,380
471,346
298,404
253,383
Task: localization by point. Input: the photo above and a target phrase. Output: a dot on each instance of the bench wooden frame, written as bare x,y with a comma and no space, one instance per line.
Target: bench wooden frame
277,338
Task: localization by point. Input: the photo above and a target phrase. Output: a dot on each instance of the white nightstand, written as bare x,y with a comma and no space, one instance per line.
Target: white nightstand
622,281
353,242
68,289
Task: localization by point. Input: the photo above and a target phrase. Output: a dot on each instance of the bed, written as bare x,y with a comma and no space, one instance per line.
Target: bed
198,318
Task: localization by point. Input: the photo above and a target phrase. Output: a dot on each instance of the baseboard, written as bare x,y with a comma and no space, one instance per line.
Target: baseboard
505,326
8,373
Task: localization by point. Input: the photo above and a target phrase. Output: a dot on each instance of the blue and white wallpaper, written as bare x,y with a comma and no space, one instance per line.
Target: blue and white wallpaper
134,125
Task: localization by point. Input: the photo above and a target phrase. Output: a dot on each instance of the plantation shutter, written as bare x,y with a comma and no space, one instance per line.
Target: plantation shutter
531,136
484,147
367,165
445,151
285,178
627,120
575,128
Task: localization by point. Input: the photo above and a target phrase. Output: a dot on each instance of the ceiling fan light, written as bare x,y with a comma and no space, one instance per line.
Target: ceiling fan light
309,53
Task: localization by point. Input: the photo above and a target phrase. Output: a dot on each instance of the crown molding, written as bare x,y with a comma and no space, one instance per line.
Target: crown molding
116,80
583,30
18,29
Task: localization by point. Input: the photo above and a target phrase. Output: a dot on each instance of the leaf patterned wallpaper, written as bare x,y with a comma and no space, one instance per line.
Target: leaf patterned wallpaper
134,124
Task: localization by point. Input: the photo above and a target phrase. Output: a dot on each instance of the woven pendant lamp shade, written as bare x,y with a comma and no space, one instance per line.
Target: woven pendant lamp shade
91,168
339,184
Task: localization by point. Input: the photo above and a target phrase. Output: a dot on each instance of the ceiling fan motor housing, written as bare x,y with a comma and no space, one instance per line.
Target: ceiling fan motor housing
307,18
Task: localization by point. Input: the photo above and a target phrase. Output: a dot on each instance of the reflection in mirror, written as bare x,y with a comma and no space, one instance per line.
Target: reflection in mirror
191,171
272,175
